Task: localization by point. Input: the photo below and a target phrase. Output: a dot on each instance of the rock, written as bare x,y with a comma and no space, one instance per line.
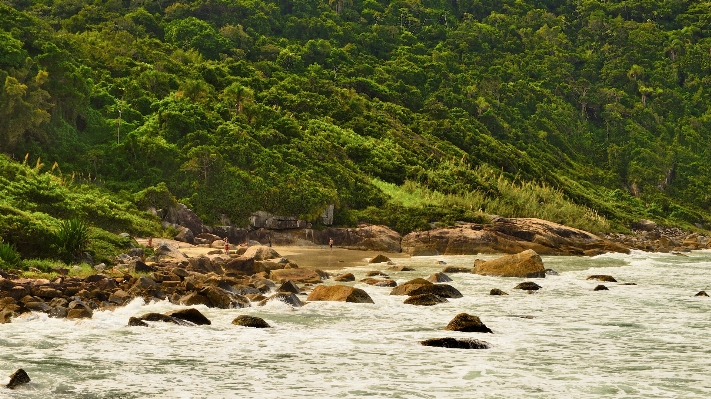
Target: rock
288,298
702,293
185,235
551,272
224,299
401,268
600,288
169,250
602,277
192,315
365,238
339,293
184,216
159,317
296,275
193,299
439,278
208,239
250,321
425,300
374,273
379,259
467,323
18,378
203,264
241,265
456,343
38,307
379,282
136,322
456,269
345,277
528,286
644,225
289,286
527,264
138,266
496,291
261,252
440,262
79,313
420,286
507,235
100,267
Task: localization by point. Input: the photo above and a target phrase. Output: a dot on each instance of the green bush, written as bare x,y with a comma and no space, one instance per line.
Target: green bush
9,258
72,238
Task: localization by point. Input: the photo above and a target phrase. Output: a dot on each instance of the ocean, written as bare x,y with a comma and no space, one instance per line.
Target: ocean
649,340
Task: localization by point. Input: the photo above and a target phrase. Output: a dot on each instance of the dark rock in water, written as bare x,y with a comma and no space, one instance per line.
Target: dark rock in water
526,264
401,268
289,286
192,315
551,272
467,323
602,277
702,293
456,269
601,288
376,273
250,321
288,298
136,322
628,284
496,291
164,318
456,343
420,286
425,300
380,258
339,293
439,277
379,282
345,277
79,313
528,286
18,378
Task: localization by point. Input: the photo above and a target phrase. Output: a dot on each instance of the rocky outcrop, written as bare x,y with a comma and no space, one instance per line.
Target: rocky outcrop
701,293
509,236
528,286
439,278
365,237
344,277
192,315
527,264
496,291
465,322
185,317
421,286
600,288
602,277
296,275
261,252
379,259
461,343
339,293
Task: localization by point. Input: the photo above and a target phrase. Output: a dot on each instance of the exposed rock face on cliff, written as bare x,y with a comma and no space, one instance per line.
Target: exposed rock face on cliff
508,236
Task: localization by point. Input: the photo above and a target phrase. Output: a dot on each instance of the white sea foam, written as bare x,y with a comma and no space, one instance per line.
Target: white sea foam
566,340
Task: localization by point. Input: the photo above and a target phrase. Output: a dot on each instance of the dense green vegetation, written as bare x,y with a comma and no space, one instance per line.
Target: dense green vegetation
596,111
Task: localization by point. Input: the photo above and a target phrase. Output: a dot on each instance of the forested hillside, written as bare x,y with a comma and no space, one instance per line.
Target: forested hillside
586,112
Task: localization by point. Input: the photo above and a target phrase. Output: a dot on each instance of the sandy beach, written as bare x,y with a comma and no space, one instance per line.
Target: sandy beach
316,257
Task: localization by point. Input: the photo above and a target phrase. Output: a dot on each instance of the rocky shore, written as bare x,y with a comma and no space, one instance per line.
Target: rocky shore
205,274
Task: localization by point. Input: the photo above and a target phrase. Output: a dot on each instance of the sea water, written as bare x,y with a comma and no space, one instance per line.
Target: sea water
649,340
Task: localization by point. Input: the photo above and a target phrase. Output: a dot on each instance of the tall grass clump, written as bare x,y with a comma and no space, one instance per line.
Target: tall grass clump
72,238
9,258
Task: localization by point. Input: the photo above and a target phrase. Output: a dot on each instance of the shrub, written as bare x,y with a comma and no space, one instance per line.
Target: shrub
72,238
9,258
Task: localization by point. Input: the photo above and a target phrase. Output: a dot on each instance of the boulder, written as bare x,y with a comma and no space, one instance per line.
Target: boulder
376,273
240,265
420,286
527,264
461,343
192,315
288,298
345,277
261,252
296,275
644,225
702,293
208,239
528,286
379,259
425,300
138,266
140,321
439,278
496,291
18,378
406,287
250,321
185,235
289,286
186,217
193,299
602,277
379,282
224,299
601,288
401,268
203,264
551,272
79,313
136,322
467,323
339,293
165,249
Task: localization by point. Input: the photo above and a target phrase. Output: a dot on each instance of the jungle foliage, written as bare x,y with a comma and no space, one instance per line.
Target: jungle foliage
590,112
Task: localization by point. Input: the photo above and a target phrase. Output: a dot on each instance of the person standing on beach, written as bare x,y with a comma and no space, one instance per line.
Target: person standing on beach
330,242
